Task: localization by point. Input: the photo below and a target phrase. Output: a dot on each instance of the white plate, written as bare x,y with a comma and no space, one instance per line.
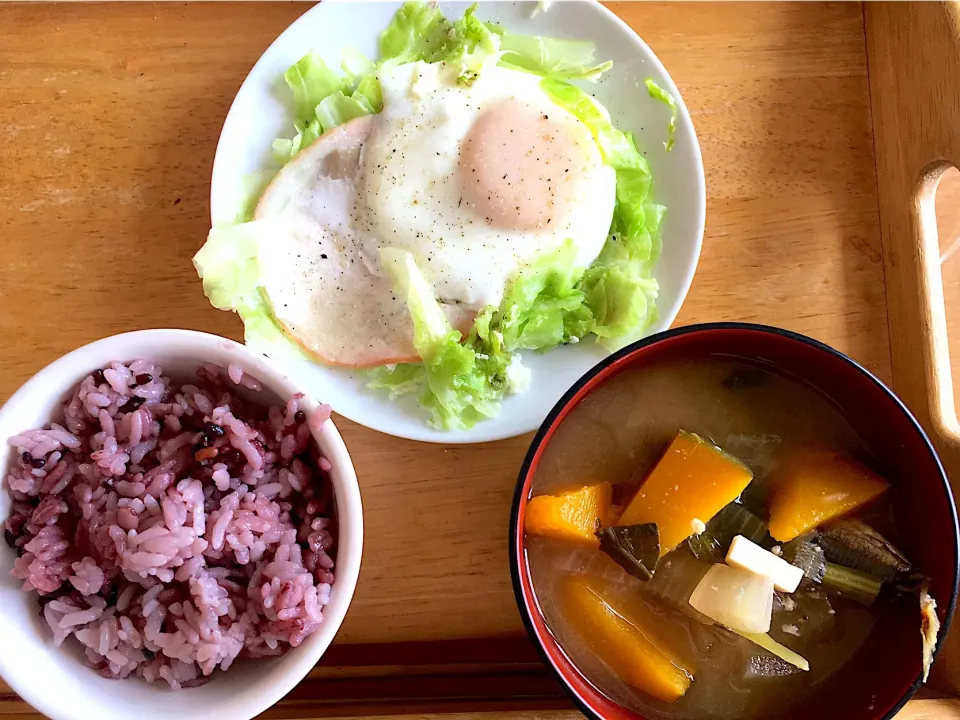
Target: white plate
261,113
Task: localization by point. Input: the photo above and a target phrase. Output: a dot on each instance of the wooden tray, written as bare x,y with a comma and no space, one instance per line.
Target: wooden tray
108,126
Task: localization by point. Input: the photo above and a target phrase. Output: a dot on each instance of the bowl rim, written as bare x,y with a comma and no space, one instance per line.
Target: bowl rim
414,425
343,477
593,376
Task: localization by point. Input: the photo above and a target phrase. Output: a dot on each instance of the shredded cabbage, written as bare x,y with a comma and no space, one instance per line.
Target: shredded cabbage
227,264
324,98
562,59
457,392
666,98
619,288
551,302
418,31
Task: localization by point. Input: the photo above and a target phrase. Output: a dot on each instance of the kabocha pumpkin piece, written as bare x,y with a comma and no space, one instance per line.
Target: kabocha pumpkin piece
693,481
574,516
813,487
625,639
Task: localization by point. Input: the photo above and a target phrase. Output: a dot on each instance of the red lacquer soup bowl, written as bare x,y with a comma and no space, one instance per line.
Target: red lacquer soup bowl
886,670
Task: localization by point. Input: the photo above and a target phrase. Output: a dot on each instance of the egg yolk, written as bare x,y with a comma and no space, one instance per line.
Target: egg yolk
522,168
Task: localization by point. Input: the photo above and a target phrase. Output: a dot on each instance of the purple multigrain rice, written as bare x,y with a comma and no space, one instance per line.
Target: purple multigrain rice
173,528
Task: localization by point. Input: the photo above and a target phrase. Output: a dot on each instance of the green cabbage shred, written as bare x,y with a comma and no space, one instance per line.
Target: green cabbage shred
461,380
658,93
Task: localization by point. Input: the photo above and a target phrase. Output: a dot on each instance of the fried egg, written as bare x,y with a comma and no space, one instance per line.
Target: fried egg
474,181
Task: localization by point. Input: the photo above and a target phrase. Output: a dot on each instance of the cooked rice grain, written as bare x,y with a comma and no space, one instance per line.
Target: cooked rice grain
171,529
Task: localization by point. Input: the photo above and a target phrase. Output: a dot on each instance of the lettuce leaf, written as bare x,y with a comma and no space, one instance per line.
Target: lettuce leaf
369,88
398,380
418,31
658,93
311,80
618,148
560,59
324,98
337,109
622,301
544,307
227,265
473,44
356,66
618,288
456,390
461,381
493,358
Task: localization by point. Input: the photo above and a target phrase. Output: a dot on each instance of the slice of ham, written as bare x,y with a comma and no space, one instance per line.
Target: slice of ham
312,272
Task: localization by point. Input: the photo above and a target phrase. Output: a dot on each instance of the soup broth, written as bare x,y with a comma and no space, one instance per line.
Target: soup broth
616,435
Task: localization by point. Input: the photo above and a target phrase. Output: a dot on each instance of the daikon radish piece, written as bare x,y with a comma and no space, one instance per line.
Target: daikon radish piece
737,598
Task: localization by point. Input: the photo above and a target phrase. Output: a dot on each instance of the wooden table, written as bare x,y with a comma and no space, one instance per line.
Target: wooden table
108,126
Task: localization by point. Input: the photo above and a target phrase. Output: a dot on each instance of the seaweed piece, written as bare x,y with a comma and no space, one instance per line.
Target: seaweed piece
735,519
635,548
854,544
745,377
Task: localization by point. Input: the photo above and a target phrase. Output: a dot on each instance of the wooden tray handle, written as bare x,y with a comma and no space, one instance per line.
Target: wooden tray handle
914,63
913,51
932,323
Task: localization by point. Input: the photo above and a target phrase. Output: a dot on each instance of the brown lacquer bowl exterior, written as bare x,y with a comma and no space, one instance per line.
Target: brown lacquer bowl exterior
886,671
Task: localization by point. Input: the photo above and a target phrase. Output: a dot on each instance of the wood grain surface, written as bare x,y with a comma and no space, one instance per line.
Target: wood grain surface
108,127
915,106
917,139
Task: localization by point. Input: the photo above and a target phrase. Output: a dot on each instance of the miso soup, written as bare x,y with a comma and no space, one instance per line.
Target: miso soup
711,539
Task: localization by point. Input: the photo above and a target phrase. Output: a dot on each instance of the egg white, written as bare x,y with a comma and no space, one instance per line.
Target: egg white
410,196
